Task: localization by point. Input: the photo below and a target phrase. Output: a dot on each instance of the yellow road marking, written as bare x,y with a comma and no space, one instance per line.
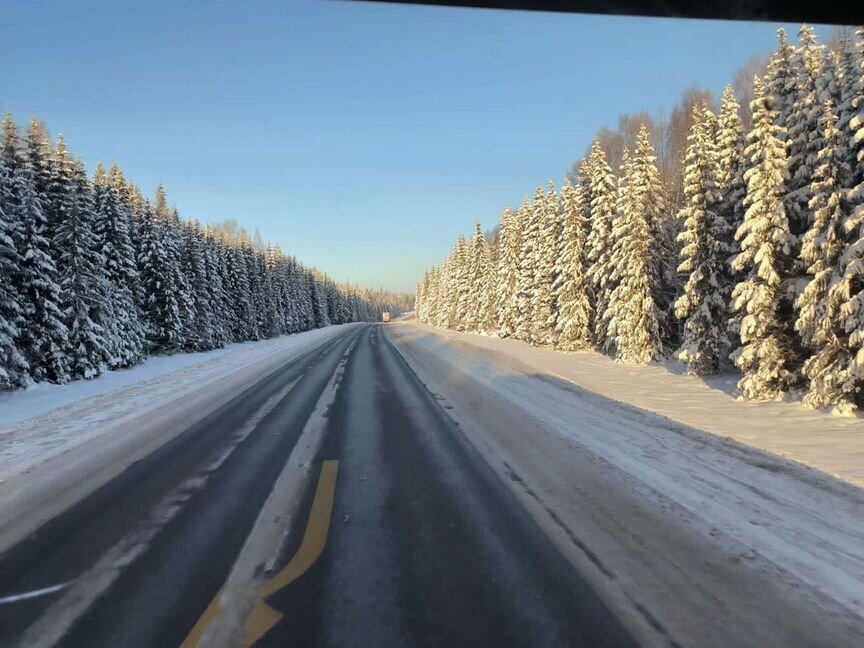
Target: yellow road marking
194,636
263,617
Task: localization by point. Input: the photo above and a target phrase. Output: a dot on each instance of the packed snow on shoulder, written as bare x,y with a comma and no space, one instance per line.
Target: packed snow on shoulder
832,444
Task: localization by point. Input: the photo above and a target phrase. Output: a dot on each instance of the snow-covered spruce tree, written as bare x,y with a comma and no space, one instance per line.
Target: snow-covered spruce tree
781,82
43,336
253,273
214,273
270,313
649,195
544,307
132,204
40,154
854,130
319,303
509,244
83,289
837,371
764,261
459,284
602,189
163,324
185,299
731,187
172,240
482,306
527,283
41,333
803,139
201,331
114,242
420,304
442,310
292,301
279,315
623,208
451,276
332,301
426,313
634,316
307,311
13,366
704,304
432,302
572,329
820,321
849,87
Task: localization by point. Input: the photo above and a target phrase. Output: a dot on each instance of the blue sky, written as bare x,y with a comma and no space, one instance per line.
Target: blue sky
361,137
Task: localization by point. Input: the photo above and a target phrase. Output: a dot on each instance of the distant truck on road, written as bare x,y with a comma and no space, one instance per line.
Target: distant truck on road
385,316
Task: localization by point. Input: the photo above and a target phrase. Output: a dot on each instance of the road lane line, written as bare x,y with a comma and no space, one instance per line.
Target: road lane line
59,617
239,596
25,596
264,617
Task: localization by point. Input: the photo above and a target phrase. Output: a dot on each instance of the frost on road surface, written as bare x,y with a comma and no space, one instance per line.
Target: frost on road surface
710,541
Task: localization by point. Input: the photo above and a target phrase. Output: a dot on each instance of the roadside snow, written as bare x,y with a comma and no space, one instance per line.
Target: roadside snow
719,541
43,397
832,444
46,420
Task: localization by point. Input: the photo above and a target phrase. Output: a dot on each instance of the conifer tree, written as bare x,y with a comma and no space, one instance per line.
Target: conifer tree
527,283
570,289
164,326
624,206
634,320
459,284
40,154
764,261
602,190
803,138
509,244
111,228
731,188
84,298
543,302
319,303
13,366
648,196
482,311
201,331
820,321
703,306
41,333
215,272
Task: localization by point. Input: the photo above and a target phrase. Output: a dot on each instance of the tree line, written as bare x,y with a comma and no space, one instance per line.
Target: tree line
94,276
751,253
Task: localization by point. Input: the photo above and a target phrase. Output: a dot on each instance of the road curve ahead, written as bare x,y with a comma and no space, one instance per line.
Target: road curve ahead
334,503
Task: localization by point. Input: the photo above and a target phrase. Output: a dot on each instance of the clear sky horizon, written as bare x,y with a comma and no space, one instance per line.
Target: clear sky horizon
361,137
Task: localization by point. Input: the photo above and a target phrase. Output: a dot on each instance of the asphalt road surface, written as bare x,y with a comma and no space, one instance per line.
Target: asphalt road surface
396,533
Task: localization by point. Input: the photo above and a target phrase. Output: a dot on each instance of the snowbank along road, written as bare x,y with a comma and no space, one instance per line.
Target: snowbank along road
389,486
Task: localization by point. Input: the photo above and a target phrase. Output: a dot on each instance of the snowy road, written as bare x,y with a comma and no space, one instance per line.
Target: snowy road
392,485
334,502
